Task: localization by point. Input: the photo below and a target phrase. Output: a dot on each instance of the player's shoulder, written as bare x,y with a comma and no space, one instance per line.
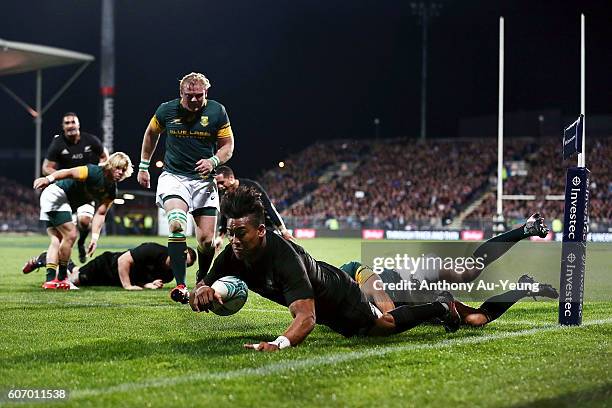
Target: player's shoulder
215,107
168,105
250,183
281,246
88,137
94,171
58,140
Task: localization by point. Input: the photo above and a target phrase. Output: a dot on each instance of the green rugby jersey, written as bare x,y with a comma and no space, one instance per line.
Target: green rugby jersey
190,136
91,185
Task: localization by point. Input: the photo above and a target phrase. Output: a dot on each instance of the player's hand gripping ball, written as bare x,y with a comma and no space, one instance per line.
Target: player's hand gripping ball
234,293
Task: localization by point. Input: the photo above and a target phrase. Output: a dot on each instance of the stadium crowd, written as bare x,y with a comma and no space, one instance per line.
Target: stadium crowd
300,174
396,185
400,184
546,176
19,210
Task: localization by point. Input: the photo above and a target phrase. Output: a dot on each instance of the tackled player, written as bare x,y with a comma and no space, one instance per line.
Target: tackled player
314,291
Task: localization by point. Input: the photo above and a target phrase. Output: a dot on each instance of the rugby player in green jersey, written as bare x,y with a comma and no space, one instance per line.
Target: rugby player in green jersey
199,139
75,187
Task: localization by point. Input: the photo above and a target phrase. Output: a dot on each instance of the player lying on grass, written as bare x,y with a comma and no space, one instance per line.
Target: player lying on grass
74,187
491,309
489,251
146,266
314,291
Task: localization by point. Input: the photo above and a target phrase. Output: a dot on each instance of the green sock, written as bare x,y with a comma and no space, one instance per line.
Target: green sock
51,271
177,245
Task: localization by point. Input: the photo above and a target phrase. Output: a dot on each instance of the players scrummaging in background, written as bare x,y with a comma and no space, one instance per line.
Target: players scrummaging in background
314,291
146,266
199,139
70,149
227,181
75,187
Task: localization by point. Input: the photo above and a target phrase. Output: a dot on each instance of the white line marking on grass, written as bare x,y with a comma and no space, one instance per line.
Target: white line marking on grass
128,305
334,358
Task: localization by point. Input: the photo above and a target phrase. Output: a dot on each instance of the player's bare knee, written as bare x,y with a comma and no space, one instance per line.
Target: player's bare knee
175,227
206,242
70,236
177,221
84,223
475,320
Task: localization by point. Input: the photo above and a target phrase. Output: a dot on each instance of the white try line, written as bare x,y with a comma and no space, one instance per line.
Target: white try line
334,358
128,305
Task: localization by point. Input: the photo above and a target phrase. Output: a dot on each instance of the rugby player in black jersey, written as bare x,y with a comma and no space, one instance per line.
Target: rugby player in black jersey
70,149
314,291
146,266
227,181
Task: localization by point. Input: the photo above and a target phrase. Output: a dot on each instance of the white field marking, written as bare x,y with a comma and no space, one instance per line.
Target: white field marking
127,305
329,359
502,322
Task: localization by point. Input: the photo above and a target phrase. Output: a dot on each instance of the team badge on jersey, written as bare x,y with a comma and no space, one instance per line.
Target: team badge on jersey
204,121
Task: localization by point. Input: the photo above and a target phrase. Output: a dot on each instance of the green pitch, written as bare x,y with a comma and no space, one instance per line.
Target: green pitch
109,347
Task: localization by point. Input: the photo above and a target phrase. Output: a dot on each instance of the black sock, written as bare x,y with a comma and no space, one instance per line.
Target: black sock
497,305
177,246
51,271
495,247
62,271
83,233
205,258
407,317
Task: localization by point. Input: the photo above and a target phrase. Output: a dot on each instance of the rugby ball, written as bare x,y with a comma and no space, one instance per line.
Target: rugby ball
234,293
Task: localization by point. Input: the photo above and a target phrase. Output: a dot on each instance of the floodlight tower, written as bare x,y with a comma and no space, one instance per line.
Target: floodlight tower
107,72
425,11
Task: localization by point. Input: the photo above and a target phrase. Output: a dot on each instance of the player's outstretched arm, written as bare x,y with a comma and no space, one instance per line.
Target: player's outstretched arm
48,167
96,225
156,284
202,297
77,173
124,264
304,320
149,143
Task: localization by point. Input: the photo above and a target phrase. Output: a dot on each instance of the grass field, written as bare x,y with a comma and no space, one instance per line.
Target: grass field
109,347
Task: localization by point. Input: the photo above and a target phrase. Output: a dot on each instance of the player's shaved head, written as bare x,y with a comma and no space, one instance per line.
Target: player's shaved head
226,171
243,202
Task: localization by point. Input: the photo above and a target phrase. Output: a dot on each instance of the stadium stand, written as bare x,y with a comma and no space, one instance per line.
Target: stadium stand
394,187
389,183
546,176
19,209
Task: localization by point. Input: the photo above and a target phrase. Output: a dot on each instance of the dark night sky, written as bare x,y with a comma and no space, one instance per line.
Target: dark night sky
291,72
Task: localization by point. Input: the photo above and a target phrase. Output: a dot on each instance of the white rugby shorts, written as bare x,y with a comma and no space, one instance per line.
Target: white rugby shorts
53,198
196,193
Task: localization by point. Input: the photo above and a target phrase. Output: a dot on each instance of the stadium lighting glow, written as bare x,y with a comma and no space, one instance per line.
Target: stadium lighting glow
127,196
119,201
281,164
159,164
